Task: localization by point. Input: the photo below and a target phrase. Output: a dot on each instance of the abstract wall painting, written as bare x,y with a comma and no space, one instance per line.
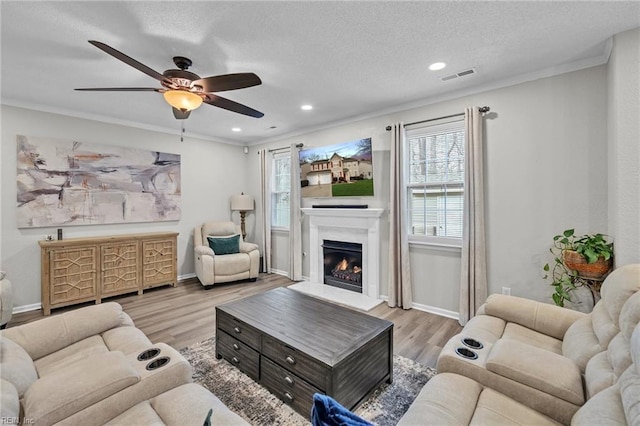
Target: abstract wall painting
75,183
339,170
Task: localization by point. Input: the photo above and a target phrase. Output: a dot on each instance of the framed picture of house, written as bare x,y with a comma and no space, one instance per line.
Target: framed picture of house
339,170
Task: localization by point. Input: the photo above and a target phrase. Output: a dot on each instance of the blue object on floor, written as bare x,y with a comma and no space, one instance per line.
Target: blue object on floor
326,411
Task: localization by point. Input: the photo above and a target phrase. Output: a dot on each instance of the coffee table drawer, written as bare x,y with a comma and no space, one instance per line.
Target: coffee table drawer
237,353
238,329
310,369
287,386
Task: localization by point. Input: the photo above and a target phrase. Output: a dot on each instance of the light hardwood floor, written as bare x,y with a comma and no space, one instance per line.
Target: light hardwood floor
185,315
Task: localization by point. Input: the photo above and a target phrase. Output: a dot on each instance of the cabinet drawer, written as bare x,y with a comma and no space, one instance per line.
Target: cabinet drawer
237,353
238,329
287,386
299,363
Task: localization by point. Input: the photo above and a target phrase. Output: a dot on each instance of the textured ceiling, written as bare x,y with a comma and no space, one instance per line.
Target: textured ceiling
348,59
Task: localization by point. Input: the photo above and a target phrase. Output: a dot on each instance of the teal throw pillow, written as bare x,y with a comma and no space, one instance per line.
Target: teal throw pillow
225,245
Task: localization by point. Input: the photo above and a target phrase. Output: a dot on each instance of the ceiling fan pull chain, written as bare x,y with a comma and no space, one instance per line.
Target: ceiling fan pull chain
182,133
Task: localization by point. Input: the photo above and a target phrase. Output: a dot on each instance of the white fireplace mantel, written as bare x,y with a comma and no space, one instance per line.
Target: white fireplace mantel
360,226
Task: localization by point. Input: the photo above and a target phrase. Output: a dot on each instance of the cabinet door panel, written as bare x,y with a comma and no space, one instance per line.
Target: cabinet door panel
72,273
120,267
158,263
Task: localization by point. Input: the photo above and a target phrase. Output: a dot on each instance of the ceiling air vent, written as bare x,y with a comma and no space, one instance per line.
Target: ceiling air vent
470,71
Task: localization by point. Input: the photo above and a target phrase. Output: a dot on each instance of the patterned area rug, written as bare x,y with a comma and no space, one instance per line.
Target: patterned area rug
385,406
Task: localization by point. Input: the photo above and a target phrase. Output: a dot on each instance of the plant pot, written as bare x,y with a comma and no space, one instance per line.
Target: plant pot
593,271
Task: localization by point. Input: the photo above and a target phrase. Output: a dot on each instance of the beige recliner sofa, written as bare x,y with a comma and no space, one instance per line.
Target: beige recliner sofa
537,353
212,268
453,399
85,367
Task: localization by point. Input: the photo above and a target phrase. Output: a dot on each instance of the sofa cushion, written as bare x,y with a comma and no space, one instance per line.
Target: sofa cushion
48,335
75,387
78,351
494,408
224,245
140,414
580,344
538,368
127,340
16,366
232,264
525,335
9,402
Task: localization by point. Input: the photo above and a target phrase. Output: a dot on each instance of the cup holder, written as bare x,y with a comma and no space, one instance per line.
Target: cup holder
148,354
466,353
472,343
154,365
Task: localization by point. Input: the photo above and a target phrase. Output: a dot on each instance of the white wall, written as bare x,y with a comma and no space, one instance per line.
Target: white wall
623,72
211,173
546,171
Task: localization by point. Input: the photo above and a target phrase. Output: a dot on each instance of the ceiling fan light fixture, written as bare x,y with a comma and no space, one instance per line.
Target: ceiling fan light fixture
182,99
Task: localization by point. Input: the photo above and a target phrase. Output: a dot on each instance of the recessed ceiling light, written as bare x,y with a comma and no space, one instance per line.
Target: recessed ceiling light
236,129
437,66
306,107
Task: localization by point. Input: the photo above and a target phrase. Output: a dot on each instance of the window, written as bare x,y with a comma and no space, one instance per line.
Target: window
281,187
435,182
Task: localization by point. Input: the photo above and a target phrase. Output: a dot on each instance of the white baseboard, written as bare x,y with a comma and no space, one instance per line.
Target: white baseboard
27,308
279,272
438,311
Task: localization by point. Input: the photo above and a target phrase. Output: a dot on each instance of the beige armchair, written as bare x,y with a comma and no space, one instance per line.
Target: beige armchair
212,268
6,301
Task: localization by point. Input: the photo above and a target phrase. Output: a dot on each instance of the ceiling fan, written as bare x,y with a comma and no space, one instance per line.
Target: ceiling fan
184,90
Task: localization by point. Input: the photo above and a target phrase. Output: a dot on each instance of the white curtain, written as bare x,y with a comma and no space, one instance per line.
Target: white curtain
399,267
295,219
265,205
473,277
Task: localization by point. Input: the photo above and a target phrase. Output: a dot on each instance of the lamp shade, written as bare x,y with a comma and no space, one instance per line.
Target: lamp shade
183,100
242,202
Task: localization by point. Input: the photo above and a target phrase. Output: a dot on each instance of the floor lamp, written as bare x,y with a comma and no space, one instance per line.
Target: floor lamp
243,204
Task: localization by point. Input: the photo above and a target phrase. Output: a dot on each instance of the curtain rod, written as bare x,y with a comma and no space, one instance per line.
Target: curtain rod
300,145
482,109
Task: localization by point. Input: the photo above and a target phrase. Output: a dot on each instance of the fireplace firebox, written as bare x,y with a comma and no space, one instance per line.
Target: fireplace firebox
343,264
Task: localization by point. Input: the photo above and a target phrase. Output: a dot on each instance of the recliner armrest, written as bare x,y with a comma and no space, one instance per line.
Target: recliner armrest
76,387
542,317
204,250
247,247
540,369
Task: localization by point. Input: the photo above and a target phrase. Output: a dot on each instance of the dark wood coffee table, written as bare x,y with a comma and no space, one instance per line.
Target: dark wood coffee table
296,345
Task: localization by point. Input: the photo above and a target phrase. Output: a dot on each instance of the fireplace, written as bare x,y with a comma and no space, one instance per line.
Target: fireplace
357,226
343,264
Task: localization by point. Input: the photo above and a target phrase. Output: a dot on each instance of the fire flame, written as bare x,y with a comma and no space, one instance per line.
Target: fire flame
342,266
356,269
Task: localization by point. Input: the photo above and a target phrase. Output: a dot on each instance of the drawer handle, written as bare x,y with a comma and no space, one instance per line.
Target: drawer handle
289,380
288,396
291,360
236,347
235,360
237,330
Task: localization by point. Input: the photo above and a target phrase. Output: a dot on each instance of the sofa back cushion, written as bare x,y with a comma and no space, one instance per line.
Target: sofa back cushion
617,288
617,404
45,336
604,369
16,366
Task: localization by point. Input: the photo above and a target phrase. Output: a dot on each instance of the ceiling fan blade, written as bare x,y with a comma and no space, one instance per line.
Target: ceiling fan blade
119,89
230,105
220,83
130,61
180,114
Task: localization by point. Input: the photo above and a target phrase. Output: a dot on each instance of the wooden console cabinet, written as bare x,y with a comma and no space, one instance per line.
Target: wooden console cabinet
80,270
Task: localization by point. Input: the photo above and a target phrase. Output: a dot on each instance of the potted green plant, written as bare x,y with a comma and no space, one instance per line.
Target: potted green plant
578,260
